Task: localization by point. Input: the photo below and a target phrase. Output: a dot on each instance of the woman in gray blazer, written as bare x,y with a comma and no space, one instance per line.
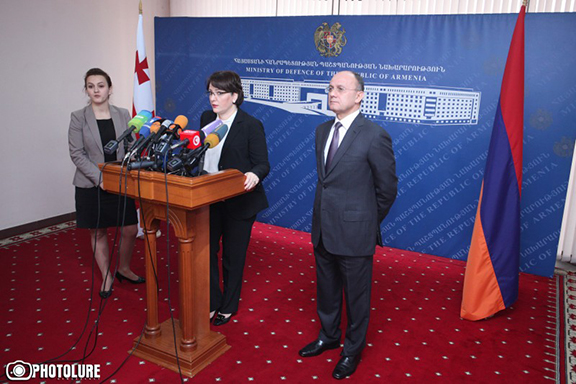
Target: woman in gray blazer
91,128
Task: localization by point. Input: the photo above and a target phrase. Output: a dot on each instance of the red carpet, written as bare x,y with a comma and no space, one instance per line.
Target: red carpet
567,329
415,334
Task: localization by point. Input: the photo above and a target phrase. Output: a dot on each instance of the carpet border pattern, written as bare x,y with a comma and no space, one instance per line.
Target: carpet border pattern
37,233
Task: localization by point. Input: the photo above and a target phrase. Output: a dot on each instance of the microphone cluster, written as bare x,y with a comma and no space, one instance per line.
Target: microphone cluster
166,146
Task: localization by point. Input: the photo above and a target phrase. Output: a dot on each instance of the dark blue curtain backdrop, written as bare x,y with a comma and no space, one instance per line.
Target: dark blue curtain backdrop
432,82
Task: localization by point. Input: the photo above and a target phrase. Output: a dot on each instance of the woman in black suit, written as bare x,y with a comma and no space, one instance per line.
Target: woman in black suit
243,148
91,128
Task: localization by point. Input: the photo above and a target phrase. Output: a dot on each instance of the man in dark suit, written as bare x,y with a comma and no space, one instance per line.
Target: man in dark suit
356,187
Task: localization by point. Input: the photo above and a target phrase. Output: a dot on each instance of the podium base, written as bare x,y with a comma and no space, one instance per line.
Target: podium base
160,350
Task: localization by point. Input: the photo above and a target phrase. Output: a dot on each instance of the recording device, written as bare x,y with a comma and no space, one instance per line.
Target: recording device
135,124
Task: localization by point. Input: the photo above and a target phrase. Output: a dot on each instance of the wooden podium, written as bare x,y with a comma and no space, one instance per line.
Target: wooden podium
189,200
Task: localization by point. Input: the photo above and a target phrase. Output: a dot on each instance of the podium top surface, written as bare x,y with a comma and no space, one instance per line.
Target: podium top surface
180,191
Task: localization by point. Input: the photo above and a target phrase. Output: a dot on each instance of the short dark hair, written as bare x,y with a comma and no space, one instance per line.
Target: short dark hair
359,79
96,72
227,81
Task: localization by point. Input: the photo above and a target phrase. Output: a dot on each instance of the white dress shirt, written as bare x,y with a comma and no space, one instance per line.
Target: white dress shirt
213,154
346,123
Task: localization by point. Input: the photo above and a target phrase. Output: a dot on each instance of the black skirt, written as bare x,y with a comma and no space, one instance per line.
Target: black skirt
111,209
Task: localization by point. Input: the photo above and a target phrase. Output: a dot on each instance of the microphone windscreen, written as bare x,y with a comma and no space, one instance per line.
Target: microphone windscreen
149,123
221,131
181,121
212,140
144,131
155,126
193,136
139,120
209,128
167,123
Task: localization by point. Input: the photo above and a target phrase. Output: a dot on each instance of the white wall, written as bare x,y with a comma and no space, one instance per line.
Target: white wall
46,48
229,8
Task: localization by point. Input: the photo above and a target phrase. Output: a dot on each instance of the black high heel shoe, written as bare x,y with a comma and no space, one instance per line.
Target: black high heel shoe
221,319
139,280
106,294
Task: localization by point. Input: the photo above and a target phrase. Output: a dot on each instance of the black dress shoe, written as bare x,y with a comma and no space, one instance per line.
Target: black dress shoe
106,294
317,347
346,366
121,277
221,319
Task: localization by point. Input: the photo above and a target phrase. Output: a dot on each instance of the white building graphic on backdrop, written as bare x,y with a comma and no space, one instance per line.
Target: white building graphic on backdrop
397,104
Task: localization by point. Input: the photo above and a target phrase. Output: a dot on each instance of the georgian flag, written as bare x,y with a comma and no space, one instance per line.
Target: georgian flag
142,85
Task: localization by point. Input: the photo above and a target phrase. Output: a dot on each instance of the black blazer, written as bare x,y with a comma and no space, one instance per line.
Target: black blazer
355,194
245,150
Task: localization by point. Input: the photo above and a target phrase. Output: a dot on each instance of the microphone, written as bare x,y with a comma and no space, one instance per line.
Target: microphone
192,141
179,144
178,162
146,136
212,140
164,138
180,123
209,128
173,128
135,124
149,123
160,130
193,138
141,164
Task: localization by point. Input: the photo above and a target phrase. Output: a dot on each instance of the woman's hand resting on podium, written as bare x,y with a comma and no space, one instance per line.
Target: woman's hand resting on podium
251,181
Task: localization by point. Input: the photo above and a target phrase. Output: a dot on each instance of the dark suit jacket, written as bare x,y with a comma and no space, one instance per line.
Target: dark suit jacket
356,193
245,150
85,144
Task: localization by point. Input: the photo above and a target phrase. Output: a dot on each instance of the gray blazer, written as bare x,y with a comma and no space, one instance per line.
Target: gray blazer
356,193
85,143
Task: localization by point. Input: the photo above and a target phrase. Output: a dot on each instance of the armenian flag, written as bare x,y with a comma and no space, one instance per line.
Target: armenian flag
492,269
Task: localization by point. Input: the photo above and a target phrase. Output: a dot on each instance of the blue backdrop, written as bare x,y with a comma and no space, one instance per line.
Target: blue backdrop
432,81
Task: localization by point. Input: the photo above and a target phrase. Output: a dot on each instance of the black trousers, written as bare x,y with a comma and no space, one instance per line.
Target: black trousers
235,235
353,276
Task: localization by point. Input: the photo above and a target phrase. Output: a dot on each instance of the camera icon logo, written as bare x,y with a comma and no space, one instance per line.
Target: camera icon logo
19,370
